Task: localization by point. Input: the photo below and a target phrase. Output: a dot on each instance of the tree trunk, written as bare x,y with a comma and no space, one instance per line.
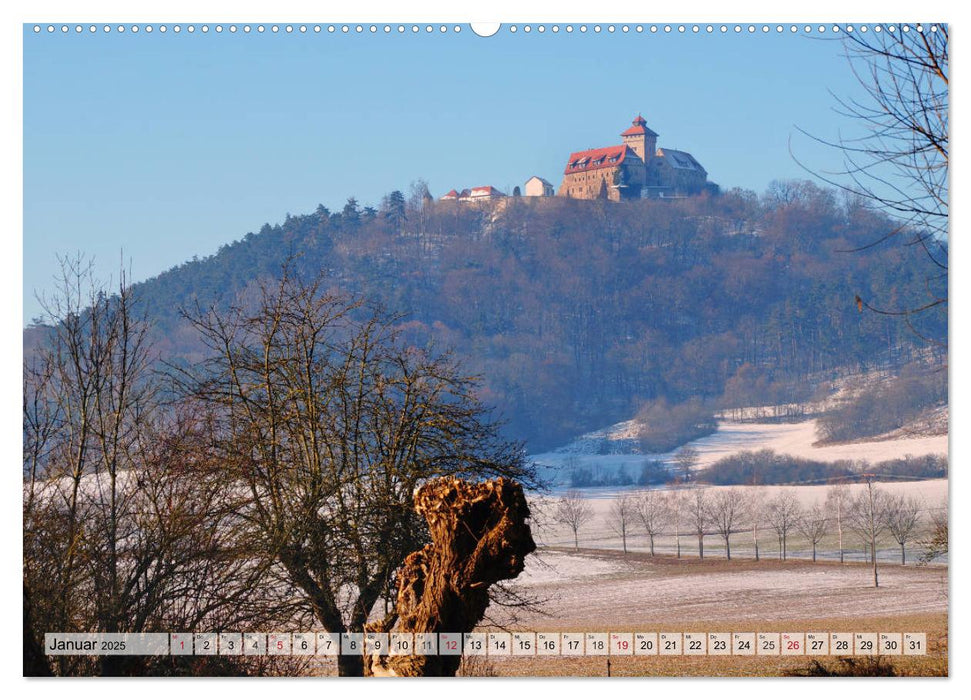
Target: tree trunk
840,528
903,555
35,661
652,544
728,549
479,535
350,666
873,552
701,546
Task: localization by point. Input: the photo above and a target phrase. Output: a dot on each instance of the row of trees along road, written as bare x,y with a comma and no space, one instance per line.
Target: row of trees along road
269,484
869,514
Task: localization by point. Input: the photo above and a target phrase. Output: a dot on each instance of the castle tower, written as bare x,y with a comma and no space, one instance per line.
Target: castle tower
640,139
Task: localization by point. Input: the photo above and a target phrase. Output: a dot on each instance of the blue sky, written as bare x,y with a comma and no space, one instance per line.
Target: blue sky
168,146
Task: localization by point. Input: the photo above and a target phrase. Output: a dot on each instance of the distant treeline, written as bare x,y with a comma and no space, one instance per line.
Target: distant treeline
652,472
577,314
761,468
768,467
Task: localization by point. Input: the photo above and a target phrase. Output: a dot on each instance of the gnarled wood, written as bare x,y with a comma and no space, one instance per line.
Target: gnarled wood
480,535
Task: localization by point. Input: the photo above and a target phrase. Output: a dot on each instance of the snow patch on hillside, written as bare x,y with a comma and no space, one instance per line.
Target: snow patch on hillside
731,437
620,438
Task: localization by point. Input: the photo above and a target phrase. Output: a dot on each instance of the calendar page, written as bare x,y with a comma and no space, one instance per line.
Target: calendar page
535,348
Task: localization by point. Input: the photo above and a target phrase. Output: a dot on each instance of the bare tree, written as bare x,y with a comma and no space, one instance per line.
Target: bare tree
685,460
728,507
574,512
756,516
813,525
899,161
783,513
935,545
86,407
621,516
419,203
903,515
902,162
868,518
676,506
125,525
42,419
652,511
837,501
329,423
542,511
699,516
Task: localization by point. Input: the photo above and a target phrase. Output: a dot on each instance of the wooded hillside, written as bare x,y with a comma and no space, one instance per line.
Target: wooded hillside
577,313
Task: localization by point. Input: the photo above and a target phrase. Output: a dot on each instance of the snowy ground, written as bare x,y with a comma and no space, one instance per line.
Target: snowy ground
795,439
597,591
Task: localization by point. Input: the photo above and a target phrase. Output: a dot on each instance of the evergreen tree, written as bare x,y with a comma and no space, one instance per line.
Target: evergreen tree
351,214
394,210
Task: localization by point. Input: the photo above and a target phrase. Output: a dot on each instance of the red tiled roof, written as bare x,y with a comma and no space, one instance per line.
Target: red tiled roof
634,131
596,158
451,193
639,127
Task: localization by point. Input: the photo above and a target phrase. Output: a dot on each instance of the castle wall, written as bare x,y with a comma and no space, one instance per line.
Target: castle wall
684,181
587,185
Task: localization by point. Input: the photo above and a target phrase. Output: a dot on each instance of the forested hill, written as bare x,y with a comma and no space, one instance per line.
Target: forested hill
575,313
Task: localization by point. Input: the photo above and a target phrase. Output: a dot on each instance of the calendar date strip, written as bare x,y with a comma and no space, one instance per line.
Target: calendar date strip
495,644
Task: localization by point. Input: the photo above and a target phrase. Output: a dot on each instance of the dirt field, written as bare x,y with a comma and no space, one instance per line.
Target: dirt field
605,591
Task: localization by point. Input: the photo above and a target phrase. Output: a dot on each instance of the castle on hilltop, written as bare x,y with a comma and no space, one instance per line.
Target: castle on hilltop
637,168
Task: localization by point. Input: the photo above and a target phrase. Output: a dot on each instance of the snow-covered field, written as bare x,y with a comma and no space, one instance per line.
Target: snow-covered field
795,439
601,592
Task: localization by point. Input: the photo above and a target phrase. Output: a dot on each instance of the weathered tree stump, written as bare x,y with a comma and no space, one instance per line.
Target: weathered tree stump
480,535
